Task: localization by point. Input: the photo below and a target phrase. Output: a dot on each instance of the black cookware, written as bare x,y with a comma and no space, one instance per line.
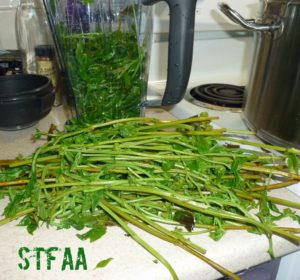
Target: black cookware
24,100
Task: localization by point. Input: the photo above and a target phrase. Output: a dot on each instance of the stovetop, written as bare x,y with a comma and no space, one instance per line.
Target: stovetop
186,108
217,96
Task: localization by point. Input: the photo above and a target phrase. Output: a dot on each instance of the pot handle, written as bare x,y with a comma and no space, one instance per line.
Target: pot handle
249,24
181,41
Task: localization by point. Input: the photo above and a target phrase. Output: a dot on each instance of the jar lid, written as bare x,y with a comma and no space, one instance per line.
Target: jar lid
44,51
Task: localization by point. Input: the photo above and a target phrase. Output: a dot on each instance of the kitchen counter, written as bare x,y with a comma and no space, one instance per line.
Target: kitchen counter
13,143
236,251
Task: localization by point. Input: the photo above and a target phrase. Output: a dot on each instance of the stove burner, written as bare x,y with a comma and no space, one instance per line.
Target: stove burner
220,95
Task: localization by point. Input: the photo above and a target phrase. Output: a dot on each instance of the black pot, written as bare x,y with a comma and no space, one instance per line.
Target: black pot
24,100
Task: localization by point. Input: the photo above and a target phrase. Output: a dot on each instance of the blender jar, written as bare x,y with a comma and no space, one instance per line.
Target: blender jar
104,49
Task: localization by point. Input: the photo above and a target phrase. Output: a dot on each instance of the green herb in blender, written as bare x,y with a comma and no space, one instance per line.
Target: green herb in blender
105,72
104,48
103,55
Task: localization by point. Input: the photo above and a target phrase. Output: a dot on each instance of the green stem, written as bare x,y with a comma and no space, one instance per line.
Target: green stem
158,227
107,208
277,200
101,125
171,124
184,246
270,170
274,186
16,216
261,145
182,201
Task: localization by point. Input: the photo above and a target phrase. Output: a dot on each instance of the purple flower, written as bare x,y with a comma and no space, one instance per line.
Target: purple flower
77,16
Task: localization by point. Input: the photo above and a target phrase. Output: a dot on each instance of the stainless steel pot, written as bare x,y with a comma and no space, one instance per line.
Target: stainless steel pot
272,101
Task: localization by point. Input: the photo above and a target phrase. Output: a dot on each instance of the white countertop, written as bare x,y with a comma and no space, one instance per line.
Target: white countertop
236,251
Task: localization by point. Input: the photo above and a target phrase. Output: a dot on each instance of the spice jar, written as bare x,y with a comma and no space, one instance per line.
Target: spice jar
46,66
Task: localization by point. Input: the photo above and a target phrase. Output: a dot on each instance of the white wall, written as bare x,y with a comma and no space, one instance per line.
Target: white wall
7,24
217,45
8,3
208,17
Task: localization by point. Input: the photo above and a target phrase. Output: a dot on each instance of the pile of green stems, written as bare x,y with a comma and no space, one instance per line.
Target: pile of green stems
151,173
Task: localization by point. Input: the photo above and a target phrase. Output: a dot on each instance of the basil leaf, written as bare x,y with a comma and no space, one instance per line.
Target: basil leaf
103,263
93,234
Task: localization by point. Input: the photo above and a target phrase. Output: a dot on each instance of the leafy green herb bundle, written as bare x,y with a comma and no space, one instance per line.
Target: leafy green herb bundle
151,173
106,69
105,74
